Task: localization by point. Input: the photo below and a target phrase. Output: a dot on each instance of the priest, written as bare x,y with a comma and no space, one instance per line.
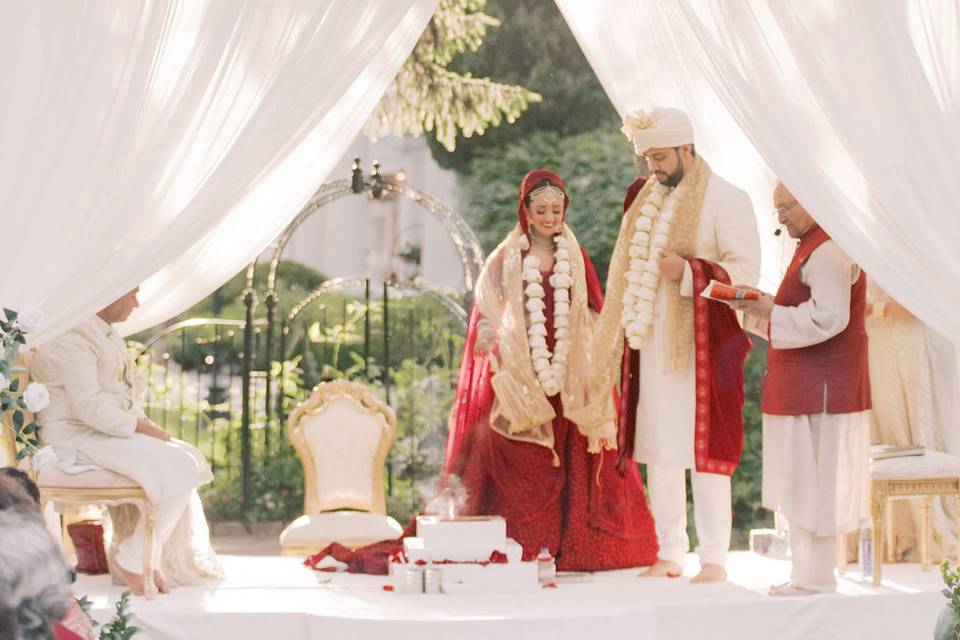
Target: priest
816,398
682,365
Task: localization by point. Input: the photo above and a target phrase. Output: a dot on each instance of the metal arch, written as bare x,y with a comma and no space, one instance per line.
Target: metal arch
459,232
339,284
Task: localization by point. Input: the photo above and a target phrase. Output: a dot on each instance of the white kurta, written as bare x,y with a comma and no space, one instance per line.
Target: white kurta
93,412
816,467
727,235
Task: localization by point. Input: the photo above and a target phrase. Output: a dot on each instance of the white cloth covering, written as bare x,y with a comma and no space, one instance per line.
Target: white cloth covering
726,234
815,93
711,513
167,143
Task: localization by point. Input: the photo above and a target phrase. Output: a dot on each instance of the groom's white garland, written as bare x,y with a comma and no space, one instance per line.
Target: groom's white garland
643,276
549,367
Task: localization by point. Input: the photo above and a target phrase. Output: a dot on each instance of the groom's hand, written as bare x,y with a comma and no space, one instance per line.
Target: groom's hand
671,265
148,428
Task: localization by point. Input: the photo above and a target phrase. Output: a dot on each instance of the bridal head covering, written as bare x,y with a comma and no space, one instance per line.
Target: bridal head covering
528,186
657,128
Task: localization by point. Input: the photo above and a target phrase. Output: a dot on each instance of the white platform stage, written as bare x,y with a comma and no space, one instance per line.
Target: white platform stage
277,598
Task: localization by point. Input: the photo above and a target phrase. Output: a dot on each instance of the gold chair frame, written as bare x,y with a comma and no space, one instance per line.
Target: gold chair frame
320,398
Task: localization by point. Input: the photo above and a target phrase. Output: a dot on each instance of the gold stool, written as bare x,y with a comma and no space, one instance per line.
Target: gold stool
932,474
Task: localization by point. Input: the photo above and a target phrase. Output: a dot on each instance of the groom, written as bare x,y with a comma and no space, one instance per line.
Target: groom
682,364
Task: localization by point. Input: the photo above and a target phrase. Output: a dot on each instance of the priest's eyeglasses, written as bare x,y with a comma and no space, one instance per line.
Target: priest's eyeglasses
783,208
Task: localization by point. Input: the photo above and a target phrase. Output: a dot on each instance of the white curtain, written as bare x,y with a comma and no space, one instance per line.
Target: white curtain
166,143
853,104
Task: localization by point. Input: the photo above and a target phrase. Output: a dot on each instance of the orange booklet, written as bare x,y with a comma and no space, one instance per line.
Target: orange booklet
716,290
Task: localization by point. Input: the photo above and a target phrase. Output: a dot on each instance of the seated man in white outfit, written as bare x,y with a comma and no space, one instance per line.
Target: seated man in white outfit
95,420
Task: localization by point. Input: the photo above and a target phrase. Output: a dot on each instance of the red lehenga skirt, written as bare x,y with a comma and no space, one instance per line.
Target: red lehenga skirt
589,516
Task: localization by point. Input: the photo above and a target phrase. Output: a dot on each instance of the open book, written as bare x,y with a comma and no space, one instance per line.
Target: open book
881,451
716,290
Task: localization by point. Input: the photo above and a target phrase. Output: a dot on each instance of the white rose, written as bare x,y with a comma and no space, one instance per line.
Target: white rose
563,266
531,262
538,354
666,217
538,330
643,224
532,275
636,251
649,280
634,276
653,266
562,308
649,210
541,364
662,227
43,457
4,382
561,333
30,319
36,397
636,264
560,280
659,240
562,254
645,306
561,295
641,238
535,304
538,342
534,290
647,294
655,198
537,317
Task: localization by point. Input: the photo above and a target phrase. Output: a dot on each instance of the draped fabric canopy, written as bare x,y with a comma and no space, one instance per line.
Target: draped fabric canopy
853,104
166,143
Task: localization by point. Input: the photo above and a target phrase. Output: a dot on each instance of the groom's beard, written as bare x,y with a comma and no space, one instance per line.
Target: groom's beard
674,178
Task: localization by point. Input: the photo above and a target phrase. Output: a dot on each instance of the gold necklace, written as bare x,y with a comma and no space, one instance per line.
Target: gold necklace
539,242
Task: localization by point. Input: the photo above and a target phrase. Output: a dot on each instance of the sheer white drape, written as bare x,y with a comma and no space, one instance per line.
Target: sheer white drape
166,143
852,104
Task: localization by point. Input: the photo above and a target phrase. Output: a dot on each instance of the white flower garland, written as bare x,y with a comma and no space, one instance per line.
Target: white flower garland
643,277
549,367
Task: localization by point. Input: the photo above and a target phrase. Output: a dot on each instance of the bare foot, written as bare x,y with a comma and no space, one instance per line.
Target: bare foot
161,582
790,589
710,572
134,581
662,568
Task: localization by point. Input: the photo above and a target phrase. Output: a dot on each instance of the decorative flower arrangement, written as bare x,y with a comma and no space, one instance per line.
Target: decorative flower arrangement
14,399
549,367
651,230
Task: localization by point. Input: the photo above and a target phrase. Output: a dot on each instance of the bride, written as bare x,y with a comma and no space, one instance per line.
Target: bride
520,439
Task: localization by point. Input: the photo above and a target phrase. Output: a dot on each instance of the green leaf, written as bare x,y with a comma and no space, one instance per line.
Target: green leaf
17,420
23,453
30,428
10,313
14,385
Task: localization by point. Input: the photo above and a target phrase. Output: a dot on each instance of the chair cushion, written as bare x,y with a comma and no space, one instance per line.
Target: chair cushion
348,527
52,476
932,464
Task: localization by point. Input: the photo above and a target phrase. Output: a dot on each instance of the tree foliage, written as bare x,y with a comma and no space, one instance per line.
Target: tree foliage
426,95
534,48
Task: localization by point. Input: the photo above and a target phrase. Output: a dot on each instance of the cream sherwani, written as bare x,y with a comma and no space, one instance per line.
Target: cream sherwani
91,421
727,235
816,467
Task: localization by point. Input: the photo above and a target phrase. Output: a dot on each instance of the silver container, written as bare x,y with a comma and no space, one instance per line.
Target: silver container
413,580
431,580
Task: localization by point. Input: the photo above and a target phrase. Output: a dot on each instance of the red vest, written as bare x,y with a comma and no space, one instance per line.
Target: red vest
828,377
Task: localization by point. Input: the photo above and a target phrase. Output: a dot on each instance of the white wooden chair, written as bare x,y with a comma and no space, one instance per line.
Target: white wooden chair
342,434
